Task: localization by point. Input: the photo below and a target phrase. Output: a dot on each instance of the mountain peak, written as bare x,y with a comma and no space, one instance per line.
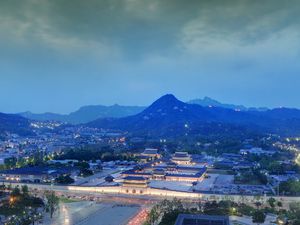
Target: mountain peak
167,104
166,100
167,97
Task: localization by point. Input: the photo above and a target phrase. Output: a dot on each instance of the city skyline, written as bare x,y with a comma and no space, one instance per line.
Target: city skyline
57,56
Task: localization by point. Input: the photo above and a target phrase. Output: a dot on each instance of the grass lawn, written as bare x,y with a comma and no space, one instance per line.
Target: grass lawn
67,200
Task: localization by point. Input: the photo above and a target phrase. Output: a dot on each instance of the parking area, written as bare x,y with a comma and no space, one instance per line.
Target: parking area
98,178
213,180
171,185
207,184
224,179
224,184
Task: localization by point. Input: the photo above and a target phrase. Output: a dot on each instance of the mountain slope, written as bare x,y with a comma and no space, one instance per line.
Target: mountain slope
14,124
90,113
206,102
209,102
170,117
44,116
87,113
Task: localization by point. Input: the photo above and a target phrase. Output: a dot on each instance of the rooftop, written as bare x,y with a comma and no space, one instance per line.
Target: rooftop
181,154
150,151
192,219
36,170
135,178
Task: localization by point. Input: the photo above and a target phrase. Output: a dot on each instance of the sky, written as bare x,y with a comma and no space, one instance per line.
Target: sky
58,55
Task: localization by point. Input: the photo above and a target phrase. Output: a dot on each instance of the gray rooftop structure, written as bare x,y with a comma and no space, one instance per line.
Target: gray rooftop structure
197,219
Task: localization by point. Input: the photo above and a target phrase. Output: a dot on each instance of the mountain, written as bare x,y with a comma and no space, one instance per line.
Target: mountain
87,113
90,113
168,116
209,102
14,124
282,113
44,116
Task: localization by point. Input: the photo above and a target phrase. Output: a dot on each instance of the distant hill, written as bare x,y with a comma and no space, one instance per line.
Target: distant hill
87,113
14,124
44,116
170,117
281,113
208,102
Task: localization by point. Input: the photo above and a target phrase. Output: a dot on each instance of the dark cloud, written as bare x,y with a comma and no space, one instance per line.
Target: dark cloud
143,27
192,48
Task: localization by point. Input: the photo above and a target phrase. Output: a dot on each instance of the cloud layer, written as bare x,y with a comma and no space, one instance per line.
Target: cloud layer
58,54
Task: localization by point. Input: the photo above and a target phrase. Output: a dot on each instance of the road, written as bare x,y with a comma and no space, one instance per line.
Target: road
148,193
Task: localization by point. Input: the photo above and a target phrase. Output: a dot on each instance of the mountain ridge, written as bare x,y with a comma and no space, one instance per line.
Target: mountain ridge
210,102
89,113
207,111
170,116
13,123
85,113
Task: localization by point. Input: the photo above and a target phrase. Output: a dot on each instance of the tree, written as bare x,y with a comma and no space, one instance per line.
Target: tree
258,217
258,204
290,187
82,165
25,190
177,205
153,215
294,213
16,191
295,207
64,179
52,202
296,222
271,202
279,204
10,162
35,216
85,173
200,206
169,218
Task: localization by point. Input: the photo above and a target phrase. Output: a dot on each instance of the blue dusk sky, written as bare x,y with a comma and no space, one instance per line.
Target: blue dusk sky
58,55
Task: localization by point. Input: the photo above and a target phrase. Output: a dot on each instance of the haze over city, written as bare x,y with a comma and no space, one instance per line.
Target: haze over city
59,55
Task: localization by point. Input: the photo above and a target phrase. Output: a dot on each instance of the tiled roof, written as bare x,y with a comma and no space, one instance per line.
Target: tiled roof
134,178
36,170
181,154
150,151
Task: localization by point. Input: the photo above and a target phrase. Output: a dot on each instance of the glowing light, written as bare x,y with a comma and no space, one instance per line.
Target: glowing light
11,200
297,160
280,222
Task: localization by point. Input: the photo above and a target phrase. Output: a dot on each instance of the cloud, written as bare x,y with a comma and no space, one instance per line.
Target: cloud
191,48
137,29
